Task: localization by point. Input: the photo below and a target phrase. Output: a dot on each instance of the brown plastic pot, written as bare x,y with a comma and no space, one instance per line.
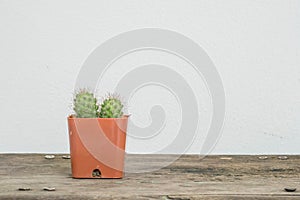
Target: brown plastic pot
97,146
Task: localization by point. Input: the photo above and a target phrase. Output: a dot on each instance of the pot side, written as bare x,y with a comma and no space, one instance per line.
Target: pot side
97,147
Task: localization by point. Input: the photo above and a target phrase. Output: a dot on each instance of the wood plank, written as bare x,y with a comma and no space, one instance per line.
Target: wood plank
189,177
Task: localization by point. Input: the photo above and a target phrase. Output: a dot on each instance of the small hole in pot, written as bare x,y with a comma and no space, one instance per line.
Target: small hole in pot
96,173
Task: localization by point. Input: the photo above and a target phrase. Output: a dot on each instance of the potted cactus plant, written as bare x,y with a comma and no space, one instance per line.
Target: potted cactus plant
97,136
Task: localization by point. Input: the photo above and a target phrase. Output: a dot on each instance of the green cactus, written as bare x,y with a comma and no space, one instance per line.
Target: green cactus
111,107
85,105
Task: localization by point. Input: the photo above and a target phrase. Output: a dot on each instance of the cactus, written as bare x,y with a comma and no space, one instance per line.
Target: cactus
111,107
85,105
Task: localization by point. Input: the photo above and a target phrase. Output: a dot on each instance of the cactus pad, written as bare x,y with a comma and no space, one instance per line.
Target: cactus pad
111,108
85,105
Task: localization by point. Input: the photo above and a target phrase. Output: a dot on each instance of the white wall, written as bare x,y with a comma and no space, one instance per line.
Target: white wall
255,46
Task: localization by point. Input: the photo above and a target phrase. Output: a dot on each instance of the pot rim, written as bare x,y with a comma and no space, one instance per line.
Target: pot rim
123,117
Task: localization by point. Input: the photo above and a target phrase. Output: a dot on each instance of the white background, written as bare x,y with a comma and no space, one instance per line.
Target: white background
254,45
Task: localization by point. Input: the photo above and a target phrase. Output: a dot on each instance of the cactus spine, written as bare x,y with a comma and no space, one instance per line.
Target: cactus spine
111,107
85,105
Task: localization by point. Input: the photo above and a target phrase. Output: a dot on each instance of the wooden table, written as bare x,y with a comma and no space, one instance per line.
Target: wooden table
214,177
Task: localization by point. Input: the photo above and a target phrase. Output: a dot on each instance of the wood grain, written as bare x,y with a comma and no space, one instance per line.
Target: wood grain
189,177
